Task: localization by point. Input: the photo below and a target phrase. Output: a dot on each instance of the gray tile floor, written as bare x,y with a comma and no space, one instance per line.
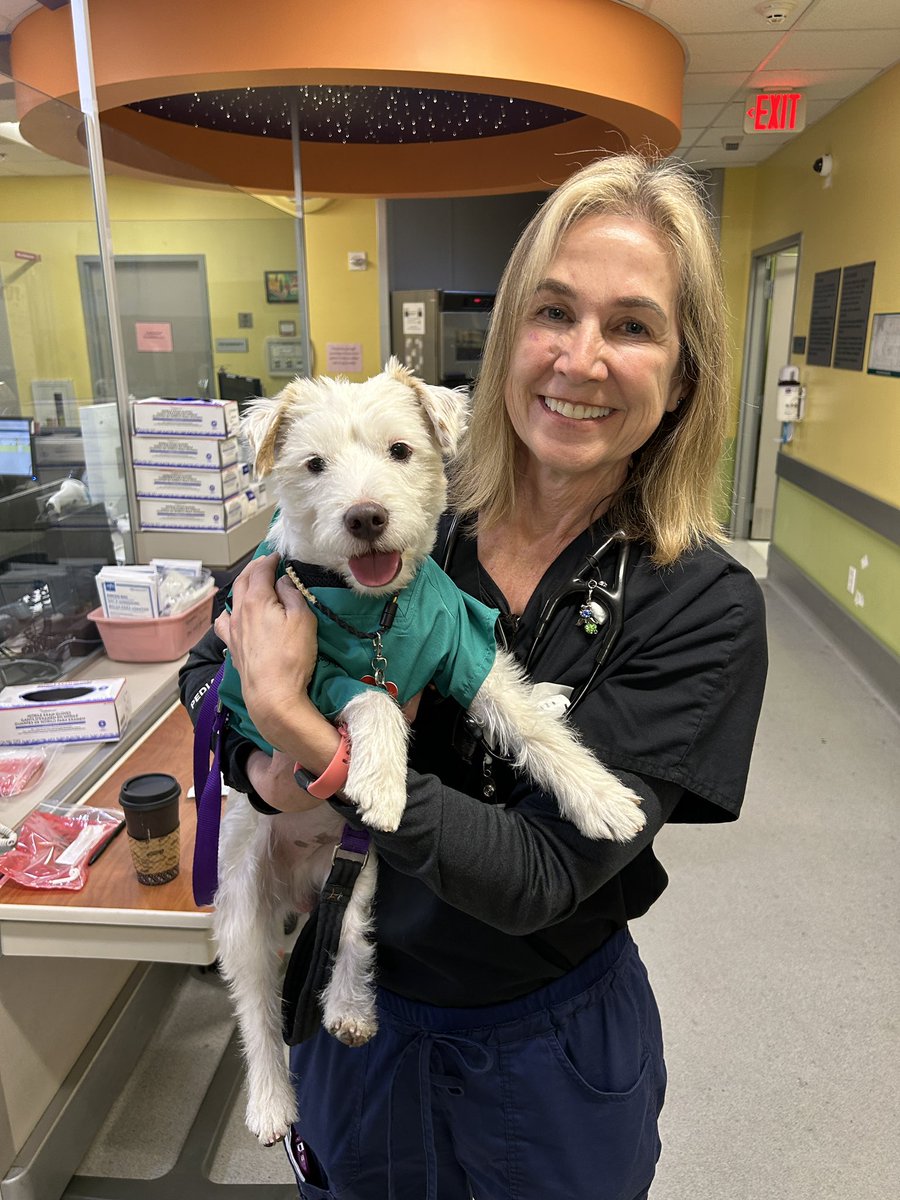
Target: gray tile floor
774,954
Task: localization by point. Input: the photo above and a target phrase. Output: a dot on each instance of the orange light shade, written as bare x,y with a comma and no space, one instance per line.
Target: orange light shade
613,64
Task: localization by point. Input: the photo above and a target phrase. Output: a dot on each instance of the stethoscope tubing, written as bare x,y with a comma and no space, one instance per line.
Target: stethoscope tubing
611,598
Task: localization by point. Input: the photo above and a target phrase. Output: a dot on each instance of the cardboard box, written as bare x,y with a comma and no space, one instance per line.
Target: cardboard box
187,483
162,451
213,515
129,593
77,710
204,418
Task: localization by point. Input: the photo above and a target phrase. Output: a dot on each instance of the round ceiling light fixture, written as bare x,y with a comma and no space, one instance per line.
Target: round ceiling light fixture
181,89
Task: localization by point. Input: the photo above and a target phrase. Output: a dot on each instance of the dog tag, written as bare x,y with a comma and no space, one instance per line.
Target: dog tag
390,688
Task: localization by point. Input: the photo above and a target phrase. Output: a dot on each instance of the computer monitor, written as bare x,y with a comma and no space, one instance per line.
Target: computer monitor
241,388
16,449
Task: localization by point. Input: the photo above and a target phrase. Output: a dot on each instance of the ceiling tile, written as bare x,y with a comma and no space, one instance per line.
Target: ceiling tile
834,14
700,114
716,16
704,89
730,51
818,85
823,51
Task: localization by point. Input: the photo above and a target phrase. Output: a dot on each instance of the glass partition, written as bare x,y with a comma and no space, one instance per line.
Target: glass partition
207,309
63,505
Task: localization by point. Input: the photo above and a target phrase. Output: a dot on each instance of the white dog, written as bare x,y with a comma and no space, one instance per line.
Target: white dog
358,475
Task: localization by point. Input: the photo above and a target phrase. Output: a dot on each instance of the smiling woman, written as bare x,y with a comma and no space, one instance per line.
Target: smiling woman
596,362
499,925
612,298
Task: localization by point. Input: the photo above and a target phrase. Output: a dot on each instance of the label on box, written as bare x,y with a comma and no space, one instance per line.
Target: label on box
79,710
204,418
185,483
183,451
190,514
128,592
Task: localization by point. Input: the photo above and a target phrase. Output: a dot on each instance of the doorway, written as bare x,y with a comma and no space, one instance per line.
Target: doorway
164,314
767,348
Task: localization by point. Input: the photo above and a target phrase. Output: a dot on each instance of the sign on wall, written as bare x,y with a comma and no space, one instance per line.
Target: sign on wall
826,286
853,316
884,350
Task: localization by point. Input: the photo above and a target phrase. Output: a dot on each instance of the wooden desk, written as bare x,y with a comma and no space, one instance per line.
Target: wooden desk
114,916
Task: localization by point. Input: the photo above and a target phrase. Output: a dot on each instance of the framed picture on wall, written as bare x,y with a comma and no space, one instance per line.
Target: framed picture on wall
281,287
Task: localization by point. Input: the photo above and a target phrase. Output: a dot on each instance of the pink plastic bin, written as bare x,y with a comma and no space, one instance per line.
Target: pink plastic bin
159,639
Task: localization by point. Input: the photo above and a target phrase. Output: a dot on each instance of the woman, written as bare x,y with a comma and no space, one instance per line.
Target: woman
519,1051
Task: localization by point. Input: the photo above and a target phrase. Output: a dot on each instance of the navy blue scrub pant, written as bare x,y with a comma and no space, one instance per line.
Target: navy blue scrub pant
556,1094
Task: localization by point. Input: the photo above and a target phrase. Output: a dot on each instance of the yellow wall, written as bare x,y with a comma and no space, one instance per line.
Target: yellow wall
852,426
851,431
240,237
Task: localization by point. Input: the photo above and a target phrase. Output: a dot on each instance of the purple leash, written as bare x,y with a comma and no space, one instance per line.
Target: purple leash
208,792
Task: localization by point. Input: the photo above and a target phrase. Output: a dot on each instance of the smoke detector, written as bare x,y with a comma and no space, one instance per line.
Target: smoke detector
775,14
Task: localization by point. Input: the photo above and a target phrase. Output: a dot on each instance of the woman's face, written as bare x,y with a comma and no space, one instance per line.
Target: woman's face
596,361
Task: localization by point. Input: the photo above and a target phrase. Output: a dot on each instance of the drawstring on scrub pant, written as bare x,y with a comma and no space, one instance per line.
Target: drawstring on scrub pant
473,1055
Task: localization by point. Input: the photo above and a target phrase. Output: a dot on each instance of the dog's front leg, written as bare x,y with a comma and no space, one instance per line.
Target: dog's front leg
548,750
348,1002
246,923
376,781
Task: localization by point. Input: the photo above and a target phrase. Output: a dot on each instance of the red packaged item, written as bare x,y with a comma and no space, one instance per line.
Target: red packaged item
54,845
21,769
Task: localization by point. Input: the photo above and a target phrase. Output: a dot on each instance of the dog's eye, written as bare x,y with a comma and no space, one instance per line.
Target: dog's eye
316,465
400,451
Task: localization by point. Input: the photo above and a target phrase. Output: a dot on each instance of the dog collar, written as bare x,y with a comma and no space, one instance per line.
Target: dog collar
379,659
314,575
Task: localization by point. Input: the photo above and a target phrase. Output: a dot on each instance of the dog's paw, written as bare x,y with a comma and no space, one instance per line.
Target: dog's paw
270,1122
380,807
616,819
353,1030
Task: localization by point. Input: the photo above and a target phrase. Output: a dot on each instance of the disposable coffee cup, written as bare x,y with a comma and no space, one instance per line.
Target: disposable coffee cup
150,804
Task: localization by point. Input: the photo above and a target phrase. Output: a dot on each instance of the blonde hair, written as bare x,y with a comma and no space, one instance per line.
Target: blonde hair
669,498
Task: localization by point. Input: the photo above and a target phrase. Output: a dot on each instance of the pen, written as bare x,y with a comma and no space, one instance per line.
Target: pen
112,837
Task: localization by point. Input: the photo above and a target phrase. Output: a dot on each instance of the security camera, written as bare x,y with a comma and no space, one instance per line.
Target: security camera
823,164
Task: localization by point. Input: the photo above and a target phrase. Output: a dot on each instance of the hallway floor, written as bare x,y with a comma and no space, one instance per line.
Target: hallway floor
774,954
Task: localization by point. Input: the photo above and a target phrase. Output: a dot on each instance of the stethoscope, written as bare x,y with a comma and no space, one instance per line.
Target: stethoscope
602,605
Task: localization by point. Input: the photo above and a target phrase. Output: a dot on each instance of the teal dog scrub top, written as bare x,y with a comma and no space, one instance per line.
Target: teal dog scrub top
439,635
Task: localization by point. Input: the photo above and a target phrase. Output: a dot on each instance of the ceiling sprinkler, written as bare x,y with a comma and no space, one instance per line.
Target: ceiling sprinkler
775,14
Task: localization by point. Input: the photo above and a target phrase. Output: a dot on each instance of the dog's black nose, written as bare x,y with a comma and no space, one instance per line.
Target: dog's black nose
366,521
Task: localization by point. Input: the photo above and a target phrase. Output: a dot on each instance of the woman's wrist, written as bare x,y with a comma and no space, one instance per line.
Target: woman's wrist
304,735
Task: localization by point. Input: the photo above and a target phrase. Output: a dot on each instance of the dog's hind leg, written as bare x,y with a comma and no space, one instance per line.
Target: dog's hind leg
549,751
348,1002
248,907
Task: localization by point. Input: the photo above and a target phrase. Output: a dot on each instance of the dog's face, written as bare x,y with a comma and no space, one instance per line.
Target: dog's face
357,471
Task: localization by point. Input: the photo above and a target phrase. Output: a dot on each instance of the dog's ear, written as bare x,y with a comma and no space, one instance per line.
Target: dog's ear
262,425
447,409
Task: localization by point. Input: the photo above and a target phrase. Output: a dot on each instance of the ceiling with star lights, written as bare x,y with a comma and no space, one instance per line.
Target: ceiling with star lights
390,99
356,115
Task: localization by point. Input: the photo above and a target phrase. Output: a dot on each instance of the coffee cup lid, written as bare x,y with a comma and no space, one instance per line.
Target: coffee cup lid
149,791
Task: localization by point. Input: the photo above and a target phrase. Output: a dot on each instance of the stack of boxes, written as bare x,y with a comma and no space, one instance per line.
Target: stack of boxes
186,465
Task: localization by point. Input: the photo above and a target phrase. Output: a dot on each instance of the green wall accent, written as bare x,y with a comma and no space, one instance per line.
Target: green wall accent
824,544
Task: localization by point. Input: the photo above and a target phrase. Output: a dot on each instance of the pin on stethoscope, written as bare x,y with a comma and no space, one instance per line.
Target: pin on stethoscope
602,606
592,615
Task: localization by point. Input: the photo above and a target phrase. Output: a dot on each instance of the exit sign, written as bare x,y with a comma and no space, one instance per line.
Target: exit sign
775,112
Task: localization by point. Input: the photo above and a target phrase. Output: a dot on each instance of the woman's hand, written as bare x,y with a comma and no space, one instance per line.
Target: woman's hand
271,634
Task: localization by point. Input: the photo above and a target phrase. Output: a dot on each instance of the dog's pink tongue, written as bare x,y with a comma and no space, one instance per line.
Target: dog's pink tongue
375,570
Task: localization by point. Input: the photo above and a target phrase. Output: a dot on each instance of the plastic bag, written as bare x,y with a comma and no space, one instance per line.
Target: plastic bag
21,768
54,845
